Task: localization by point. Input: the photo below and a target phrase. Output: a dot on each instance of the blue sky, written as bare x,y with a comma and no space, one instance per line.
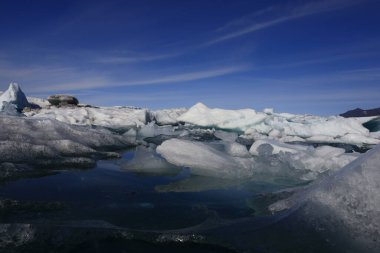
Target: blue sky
319,57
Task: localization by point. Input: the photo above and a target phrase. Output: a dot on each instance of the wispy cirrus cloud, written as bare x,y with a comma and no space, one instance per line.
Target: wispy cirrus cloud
47,80
125,59
248,24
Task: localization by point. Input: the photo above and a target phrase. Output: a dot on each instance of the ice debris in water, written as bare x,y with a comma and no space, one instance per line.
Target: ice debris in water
346,204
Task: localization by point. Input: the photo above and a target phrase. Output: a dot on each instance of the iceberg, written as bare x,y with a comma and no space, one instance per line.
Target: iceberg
13,96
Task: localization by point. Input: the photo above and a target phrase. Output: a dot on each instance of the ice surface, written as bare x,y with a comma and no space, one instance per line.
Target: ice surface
112,117
346,204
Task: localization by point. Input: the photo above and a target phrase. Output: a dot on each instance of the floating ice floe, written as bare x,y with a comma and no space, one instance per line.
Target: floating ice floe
283,126
202,159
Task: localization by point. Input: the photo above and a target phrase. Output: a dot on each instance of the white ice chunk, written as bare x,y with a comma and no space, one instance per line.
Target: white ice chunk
151,130
168,116
236,149
276,146
201,115
268,110
202,159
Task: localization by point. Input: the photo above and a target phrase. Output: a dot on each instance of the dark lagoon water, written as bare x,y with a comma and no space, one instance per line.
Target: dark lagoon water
107,208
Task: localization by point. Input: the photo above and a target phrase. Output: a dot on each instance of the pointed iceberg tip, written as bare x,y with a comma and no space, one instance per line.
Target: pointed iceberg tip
15,96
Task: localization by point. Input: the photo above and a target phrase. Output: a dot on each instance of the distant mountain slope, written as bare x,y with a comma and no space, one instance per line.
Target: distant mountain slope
361,113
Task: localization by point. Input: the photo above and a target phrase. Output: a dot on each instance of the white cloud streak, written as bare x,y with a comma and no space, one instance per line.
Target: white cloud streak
125,59
295,13
75,80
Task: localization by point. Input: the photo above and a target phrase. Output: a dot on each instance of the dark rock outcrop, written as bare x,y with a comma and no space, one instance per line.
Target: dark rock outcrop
358,112
62,100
